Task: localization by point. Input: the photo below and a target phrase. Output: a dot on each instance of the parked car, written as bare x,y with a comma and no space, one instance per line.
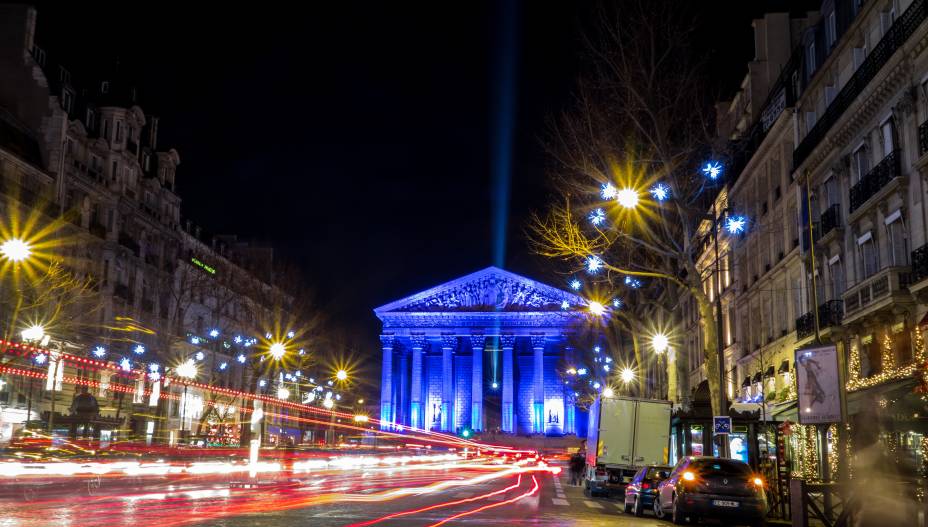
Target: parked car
640,492
709,487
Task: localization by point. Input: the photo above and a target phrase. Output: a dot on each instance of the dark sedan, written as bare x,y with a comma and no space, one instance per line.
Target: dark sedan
641,491
709,487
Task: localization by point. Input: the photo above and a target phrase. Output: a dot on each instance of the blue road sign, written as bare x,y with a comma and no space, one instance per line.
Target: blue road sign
721,424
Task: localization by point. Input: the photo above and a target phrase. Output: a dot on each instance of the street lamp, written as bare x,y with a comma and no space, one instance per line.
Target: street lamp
608,392
596,308
627,375
328,403
33,333
187,370
277,350
627,198
15,250
660,343
341,375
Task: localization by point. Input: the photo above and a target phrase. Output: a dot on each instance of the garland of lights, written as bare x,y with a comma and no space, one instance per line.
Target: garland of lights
890,372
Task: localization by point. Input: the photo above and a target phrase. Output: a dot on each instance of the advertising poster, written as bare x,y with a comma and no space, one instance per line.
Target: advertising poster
818,385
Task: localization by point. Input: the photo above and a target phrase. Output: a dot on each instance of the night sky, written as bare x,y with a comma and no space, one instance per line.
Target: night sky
356,138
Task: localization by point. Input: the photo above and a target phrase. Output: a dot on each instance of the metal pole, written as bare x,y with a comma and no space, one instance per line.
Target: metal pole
818,338
723,440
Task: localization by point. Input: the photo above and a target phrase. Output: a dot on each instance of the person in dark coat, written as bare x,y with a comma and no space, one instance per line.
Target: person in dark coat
84,409
577,464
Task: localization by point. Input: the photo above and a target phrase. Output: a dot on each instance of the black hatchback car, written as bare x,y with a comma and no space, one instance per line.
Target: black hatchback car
709,487
641,490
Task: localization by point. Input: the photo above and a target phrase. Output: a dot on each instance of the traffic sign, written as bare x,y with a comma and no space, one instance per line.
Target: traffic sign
721,424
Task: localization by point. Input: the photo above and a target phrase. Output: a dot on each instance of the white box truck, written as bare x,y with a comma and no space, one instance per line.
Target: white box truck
624,435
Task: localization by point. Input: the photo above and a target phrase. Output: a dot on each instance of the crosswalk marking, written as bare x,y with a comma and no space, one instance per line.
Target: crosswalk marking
559,501
592,504
561,495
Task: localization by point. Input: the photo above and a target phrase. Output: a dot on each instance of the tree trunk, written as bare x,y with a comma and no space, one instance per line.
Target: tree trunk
710,346
639,360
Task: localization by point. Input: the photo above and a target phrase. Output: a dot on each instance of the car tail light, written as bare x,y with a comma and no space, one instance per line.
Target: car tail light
646,485
689,476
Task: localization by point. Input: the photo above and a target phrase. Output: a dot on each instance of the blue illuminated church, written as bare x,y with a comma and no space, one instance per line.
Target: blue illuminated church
480,353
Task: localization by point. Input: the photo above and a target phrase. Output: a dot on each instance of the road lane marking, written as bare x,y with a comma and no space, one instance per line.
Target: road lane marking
592,504
561,502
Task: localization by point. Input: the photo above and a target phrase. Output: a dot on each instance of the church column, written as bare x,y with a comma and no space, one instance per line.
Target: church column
448,343
401,402
538,384
506,342
570,402
476,414
386,382
415,391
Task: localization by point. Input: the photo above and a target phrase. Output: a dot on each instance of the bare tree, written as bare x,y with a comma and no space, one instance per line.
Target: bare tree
640,119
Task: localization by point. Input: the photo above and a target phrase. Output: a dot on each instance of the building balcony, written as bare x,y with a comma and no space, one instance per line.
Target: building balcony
889,286
897,35
885,171
829,314
919,276
923,138
830,219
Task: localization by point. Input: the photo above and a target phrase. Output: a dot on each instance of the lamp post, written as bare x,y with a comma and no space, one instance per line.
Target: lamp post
187,370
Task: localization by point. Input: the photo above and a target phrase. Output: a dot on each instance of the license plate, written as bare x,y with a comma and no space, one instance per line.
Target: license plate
724,503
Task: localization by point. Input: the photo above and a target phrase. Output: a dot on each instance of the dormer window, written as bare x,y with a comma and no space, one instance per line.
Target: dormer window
105,87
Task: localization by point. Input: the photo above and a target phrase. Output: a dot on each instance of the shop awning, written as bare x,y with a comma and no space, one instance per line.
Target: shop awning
746,383
784,367
769,372
757,377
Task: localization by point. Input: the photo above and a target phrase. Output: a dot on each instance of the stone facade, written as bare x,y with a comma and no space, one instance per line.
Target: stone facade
485,322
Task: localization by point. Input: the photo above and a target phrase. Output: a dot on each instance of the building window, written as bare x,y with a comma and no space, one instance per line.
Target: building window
118,139
836,272
898,241
831,30
830,190
861,163
859,55
811,59
91,120
886,136
105,87
105,130
67,100
902,344
869,258
810,121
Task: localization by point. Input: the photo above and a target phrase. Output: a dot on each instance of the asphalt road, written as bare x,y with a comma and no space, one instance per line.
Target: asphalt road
465,494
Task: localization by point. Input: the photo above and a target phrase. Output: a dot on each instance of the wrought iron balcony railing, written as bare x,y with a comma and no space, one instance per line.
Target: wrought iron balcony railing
923,138
884,172
831,219
898,33
829,314
920,263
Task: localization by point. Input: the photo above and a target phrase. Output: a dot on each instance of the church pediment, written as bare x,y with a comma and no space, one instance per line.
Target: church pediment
491,289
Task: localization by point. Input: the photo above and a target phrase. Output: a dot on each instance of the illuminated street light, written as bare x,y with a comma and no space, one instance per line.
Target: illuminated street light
188,369
627,375
278,350
328,403
341,375
627,198
33,333
660,343
360,419
608,392
15,250
283,393
596,308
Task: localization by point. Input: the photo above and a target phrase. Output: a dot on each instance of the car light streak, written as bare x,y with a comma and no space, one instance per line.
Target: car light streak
490,506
